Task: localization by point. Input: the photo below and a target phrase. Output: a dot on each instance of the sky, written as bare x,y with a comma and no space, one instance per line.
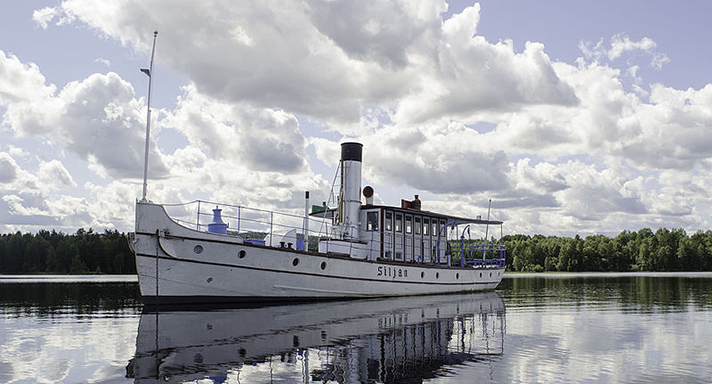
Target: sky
571,117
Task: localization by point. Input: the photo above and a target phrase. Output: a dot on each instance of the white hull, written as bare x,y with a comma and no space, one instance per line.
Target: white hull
177,264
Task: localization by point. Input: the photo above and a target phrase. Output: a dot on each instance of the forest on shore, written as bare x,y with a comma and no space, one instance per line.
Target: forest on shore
59,253
108,252
660,251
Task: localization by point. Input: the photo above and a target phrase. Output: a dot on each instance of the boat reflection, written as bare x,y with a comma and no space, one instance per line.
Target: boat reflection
382,340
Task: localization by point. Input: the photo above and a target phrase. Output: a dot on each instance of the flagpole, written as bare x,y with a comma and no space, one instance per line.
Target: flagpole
148,72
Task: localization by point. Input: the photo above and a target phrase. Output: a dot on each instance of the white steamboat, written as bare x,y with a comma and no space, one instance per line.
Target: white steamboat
351,251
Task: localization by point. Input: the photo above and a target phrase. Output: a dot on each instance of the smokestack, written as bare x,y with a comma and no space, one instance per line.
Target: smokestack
350,196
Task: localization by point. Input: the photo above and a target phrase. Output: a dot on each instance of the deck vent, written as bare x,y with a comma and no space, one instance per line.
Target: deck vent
368,194
217,226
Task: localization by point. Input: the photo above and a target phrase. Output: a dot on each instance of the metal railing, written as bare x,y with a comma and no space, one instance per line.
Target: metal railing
268,228
478,254
253,225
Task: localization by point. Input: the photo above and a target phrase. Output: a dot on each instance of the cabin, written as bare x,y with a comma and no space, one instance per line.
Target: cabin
405,234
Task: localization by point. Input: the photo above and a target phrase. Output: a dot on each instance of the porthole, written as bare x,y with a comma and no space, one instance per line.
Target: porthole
295,262
198,249
242,254
437,275
457,275
422,274
490,274
480,274
323,265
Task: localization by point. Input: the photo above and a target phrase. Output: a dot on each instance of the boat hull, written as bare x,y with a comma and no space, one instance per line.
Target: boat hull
178,265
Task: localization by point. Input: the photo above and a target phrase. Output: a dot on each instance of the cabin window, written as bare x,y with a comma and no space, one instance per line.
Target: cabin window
435,227
399,222
418,226
389,221
409,224
426,225
372,221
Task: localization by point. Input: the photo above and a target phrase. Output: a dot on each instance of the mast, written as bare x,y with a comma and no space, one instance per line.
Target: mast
149,73
489,208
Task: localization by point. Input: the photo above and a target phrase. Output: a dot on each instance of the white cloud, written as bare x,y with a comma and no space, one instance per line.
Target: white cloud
569,148
260,139
472,76
592,195
8,168
384,32
622,46
32,200
21,82
43,16
103,61
308,64
54,170
90,117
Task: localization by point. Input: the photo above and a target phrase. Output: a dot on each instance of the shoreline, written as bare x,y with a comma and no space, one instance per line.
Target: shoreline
68,279
126,278
701,274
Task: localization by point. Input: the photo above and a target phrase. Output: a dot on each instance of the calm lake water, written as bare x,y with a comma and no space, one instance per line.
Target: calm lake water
626,328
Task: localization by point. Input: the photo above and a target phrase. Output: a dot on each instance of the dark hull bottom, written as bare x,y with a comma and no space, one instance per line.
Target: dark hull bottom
153,303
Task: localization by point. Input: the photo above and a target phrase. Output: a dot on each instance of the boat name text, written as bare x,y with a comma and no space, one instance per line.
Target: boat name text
392,272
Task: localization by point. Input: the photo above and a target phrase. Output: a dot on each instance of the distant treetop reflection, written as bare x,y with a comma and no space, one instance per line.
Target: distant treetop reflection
638,292
50,298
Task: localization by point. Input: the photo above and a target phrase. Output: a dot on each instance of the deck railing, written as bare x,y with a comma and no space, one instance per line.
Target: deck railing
268,228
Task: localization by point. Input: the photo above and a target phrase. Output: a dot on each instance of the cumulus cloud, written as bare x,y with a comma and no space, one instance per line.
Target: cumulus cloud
21,82
472,76
381,31
54,170
671,132
31,198
91,117
592,195
568,147
308,64
8,168
261,139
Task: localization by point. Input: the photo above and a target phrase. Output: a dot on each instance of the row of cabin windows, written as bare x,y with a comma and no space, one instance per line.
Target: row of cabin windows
423,227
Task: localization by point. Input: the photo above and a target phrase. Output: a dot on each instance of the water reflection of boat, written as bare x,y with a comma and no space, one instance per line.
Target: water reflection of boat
383,340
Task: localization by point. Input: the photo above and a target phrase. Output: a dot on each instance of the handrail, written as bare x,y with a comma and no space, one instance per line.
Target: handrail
246,222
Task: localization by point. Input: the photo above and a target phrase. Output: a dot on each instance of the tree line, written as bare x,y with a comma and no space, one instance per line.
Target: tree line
660,251
59,253
644,250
